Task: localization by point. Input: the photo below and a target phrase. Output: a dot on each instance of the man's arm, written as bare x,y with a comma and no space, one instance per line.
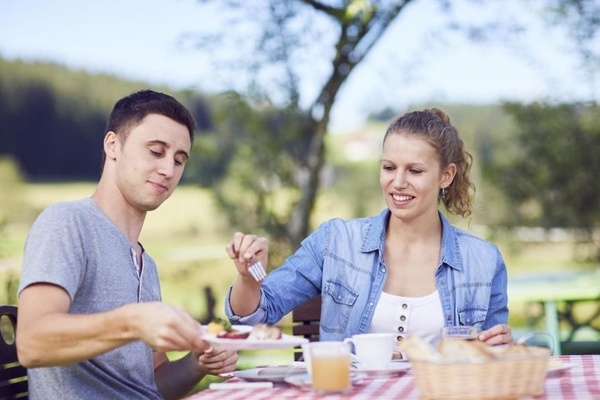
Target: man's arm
175,379
48,335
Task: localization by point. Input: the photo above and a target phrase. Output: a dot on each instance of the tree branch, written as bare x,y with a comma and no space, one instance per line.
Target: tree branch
337,13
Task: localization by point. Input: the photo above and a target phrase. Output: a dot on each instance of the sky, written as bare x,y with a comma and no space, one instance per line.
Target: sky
139,40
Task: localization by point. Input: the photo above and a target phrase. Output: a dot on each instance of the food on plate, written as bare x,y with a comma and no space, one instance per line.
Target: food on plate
265,332
233,334
218,326
224,330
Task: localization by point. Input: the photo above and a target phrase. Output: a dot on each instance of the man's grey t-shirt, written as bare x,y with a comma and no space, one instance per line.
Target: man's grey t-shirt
75,245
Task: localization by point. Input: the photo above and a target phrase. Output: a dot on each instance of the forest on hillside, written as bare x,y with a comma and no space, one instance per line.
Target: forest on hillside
52,120
533,163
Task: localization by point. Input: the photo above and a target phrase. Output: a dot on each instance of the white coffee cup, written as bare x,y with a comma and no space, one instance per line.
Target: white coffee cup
373,350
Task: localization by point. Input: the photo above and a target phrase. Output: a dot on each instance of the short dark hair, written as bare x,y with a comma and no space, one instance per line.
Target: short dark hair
131,110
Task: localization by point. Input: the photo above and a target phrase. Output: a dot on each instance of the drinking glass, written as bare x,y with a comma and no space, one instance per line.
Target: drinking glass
459,332
330,365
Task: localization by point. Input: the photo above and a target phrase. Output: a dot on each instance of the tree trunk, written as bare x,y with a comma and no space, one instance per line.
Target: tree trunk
310,178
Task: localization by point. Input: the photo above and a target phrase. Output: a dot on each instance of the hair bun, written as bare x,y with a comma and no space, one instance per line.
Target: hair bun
442,115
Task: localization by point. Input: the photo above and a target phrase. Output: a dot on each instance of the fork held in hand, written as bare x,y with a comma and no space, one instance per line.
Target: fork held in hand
257,270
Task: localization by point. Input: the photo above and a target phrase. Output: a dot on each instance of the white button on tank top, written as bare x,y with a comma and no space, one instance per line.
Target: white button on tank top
419,316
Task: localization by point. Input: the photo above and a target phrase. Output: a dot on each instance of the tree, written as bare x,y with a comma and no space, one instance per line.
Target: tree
550,178
582,18
278,41
291,28
259,177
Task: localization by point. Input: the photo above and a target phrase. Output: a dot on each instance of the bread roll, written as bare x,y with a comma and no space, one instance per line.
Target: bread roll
416,348
512,350
464,349
265,332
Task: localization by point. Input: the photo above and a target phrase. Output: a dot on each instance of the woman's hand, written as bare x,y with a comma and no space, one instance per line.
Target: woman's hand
244,249
498,334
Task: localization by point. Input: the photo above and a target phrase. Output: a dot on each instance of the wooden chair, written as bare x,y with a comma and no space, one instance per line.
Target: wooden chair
306,320
13,376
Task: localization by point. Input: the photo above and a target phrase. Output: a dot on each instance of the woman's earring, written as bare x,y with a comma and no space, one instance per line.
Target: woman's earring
443,194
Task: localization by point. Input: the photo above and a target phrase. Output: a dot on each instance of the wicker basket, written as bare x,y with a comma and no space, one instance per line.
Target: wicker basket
503,378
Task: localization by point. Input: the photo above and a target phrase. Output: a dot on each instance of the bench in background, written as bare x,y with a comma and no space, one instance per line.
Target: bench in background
13,376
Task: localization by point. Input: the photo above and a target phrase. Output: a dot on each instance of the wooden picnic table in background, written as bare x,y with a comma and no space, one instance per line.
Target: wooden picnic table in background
561,295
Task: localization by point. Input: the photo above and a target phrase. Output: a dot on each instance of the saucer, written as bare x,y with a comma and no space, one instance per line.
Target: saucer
393,368
271,374
557,366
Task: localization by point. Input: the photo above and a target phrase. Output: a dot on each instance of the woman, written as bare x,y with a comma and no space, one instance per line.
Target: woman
406,270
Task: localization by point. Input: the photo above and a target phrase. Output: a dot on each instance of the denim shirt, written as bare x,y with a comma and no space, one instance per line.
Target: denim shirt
343,261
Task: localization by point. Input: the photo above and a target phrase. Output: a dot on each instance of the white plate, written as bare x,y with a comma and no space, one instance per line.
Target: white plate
271,374
393,368
557,366
285,342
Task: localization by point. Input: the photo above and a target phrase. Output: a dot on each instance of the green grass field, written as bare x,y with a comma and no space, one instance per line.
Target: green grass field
187,238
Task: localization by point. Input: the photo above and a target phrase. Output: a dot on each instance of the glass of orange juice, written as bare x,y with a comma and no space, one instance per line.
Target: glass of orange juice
330,364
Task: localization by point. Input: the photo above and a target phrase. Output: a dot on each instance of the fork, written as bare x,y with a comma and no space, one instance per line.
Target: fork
257,270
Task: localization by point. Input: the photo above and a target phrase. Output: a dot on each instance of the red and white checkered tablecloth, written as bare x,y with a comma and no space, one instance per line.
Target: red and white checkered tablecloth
580,382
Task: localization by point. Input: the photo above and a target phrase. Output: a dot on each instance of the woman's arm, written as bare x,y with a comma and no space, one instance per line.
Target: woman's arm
500,332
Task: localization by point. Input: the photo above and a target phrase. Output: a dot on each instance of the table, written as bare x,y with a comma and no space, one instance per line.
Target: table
559,293
581,382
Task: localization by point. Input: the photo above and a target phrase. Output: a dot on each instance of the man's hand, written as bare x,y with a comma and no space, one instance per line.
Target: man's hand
166,327
216,361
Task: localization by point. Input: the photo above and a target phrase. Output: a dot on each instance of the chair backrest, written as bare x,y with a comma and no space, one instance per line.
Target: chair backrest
13,376
306,319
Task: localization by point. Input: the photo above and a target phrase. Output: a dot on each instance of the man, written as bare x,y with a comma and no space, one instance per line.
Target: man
91,321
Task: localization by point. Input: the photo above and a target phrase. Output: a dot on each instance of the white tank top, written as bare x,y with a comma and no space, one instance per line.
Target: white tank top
420,316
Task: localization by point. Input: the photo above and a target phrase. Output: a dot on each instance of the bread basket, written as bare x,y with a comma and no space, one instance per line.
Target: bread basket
498,378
